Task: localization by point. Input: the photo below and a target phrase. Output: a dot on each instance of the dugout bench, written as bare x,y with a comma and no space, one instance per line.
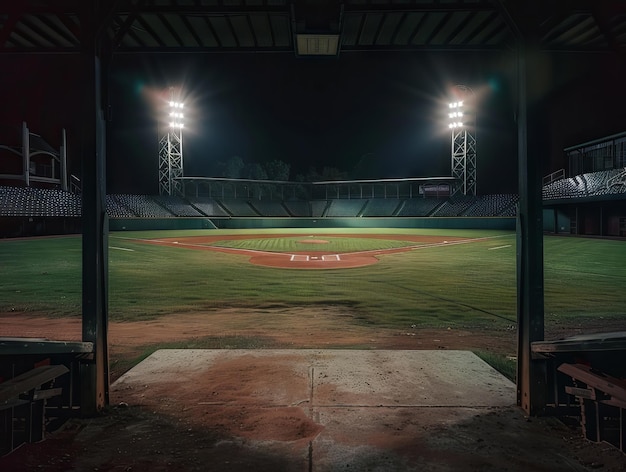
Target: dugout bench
586,378
39,387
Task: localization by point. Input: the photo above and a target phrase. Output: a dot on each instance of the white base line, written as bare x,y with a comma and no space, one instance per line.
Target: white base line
499,247
293,256
121,248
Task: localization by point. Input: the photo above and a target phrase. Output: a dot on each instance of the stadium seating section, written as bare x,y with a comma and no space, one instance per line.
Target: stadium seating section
607,182
29,201
41,202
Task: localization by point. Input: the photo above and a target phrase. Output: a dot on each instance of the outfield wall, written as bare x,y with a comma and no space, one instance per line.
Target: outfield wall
140,224
144,224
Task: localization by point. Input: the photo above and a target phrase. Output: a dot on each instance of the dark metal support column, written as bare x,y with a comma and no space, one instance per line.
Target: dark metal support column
95,372
531,379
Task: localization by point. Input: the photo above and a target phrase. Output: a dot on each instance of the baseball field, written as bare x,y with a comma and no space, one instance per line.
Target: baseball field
427,288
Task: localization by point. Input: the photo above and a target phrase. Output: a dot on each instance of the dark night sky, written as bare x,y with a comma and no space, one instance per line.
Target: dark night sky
321,112
308,112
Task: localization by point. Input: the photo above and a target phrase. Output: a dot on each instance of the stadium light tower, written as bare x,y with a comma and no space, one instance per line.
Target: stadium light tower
171,149
462,124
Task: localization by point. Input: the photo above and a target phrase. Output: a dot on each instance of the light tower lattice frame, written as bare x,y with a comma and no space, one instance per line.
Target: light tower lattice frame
463,142
171,168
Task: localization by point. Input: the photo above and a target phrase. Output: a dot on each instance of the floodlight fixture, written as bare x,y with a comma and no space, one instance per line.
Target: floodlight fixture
462,126
171,148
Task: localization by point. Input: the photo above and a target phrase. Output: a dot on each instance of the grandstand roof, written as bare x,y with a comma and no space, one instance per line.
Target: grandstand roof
304,27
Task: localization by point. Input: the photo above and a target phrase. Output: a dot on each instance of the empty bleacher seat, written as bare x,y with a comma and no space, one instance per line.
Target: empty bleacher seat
208,206
419,206
177,205
318,207
299,208
269,208
345,207
144,206
238,207
492,205
381,207
454,206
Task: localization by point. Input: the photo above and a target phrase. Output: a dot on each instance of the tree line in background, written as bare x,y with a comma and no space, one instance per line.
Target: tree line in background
368,167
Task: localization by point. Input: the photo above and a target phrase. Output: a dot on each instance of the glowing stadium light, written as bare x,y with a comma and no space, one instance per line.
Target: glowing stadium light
176,116
171,145
462,126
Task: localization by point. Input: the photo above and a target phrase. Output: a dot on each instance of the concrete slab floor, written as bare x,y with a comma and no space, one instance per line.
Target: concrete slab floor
327,410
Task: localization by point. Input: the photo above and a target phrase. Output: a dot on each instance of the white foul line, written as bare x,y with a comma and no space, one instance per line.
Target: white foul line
121,248
499,247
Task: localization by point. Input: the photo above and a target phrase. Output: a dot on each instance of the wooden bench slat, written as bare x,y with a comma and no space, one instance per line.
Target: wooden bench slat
47,393
12,402
616,388
30,380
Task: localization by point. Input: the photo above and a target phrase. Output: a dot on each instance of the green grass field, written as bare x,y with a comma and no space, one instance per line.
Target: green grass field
465,285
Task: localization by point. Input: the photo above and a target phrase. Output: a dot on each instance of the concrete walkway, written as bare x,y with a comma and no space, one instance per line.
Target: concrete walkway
327,410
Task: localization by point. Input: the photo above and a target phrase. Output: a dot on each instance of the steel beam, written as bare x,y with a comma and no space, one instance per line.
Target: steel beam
531,375
94,372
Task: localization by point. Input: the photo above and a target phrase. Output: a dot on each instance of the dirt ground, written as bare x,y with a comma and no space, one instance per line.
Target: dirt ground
154,432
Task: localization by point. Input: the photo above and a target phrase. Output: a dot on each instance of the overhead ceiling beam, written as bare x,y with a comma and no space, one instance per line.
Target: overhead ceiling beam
208,10
488,20
203,50
438,27
36,29
171,29
72,37
192,30
8,28
420,48
211,28
419,7
397,29
126,25
379,28
148,29
602,16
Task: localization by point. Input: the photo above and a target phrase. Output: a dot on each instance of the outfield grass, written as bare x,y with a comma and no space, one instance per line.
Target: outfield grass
466,285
